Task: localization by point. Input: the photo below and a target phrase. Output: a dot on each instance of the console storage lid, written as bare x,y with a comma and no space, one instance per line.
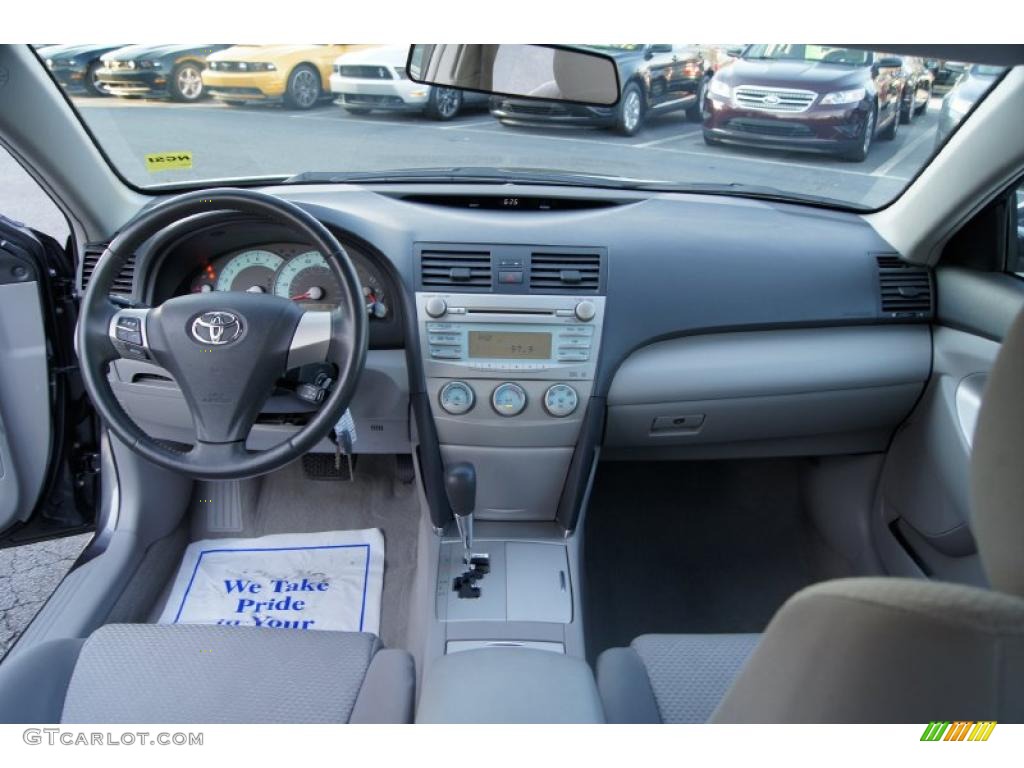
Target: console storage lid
509,685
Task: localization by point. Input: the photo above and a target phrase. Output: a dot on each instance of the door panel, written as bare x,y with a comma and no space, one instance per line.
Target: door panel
25,418
925,489
47,430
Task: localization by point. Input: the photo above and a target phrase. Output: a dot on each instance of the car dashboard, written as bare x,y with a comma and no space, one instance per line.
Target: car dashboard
533,340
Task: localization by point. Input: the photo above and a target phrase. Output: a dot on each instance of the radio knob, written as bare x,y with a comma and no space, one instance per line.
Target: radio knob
436,306
585,311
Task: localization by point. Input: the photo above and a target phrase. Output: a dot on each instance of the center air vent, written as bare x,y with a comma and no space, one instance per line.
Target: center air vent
122,283
459,270
906,289
565,272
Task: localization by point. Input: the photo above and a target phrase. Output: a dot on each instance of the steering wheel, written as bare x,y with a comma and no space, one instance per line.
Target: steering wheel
225,350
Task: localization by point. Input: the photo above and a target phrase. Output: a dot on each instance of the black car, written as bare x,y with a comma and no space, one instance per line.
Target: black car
947,73
654,78
157,71
918,85
75,67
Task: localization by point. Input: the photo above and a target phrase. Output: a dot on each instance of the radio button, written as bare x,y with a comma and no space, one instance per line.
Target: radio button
445,353
445,339
573,356
561,400
508,399
569,343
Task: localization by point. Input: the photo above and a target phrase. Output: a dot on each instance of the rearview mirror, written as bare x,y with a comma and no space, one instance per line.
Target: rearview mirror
551,72
889,62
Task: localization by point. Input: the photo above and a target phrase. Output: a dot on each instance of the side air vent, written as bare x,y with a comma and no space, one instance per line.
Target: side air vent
906,289
122,283
565,272
460,270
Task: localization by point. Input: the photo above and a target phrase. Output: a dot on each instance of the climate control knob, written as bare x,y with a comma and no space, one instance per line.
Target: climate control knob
436,306
561,400
457,397
508,399
585,311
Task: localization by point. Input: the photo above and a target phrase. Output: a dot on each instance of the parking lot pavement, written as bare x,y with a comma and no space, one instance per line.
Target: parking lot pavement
28,576
252,140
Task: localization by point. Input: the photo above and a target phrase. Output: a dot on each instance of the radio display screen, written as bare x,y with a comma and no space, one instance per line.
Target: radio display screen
513,345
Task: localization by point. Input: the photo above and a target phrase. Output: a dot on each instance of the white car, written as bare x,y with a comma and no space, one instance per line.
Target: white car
376,79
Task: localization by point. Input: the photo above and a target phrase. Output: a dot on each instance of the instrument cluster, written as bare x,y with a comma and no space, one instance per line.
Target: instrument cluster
292,271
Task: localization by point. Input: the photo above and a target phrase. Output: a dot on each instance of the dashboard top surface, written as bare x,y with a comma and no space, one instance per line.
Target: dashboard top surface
675,264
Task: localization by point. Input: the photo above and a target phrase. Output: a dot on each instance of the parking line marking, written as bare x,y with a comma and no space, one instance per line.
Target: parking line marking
659,142
892,162
457,126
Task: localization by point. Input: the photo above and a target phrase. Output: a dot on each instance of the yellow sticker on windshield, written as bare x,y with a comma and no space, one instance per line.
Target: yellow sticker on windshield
167,161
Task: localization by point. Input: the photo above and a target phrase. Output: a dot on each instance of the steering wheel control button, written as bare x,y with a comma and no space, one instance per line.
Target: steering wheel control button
457,397
585,311
436,306
561,400
128,333
508,399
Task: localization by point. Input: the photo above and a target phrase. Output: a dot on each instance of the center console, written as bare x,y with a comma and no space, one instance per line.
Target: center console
510,337
509,377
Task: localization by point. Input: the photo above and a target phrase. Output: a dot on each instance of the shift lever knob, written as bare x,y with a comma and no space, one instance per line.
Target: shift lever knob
460,482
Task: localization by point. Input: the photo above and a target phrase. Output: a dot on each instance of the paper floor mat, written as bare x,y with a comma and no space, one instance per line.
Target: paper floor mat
330,580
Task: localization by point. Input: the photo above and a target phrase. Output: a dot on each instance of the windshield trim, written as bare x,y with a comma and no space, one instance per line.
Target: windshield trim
158,190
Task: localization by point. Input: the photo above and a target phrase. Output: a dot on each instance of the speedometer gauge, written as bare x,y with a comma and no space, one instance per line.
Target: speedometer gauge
249,271
308,280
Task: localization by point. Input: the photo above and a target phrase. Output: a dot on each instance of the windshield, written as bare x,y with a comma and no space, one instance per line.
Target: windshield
834,126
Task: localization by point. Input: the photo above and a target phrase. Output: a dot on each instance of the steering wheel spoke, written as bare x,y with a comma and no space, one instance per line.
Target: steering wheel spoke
204,454
311,341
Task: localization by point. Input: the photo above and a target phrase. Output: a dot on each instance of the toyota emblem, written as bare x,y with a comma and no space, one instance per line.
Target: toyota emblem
217,328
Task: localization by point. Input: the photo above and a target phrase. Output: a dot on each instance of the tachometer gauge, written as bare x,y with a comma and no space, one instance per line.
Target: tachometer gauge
249,271
308,280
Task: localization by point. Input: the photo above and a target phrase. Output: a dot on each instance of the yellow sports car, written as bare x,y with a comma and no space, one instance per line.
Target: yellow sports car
298,75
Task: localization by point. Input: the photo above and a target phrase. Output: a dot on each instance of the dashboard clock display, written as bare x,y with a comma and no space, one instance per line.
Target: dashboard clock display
307,279
249,271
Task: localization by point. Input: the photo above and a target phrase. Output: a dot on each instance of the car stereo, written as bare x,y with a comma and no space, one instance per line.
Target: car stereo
523,337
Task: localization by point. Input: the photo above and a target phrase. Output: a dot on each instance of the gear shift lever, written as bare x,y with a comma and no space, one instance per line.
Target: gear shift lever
460,482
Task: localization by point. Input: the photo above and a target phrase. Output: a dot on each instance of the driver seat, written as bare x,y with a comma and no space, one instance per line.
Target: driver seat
868,650
191,673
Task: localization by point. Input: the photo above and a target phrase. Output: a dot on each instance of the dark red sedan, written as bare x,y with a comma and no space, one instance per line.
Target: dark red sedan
807,97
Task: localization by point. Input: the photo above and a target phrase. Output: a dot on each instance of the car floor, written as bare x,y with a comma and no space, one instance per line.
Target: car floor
288,501
696,547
